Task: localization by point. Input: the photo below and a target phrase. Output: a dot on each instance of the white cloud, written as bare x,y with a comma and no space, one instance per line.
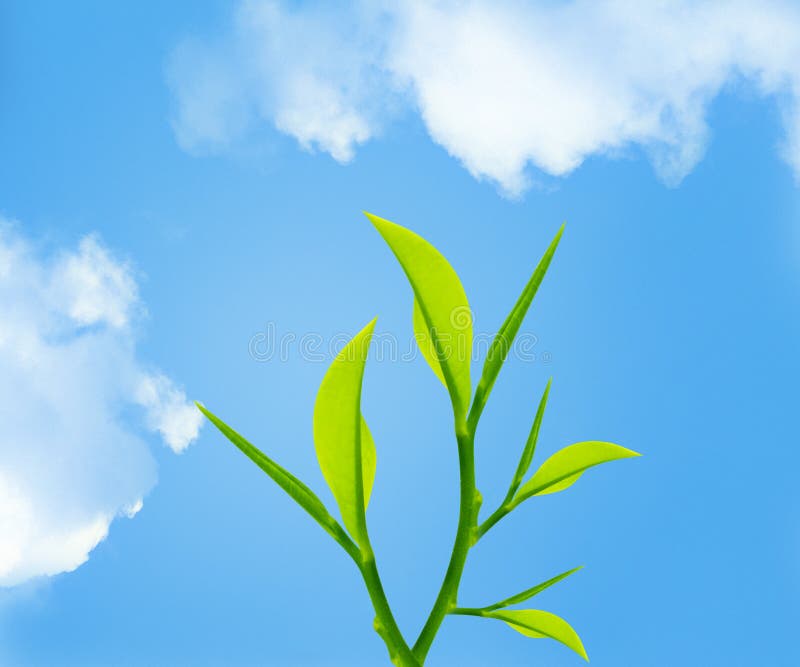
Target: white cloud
70,460
94,287
167,411
309,73
502,85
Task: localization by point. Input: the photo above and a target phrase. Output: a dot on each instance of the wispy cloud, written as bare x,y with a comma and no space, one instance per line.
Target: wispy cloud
311,73
70,460
503,86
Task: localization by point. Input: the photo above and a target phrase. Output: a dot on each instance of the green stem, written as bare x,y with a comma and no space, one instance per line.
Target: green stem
338,533
446,600
498,514
468,611
385,624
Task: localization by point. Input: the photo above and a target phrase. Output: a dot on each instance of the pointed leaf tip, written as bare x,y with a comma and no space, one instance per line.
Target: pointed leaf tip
565,467
530,445
501,345
301,494
537,624
344,446
531,592
443,312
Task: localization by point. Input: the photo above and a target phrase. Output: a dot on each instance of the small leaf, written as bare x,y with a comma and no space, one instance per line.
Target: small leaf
443,305
530,592
501,345
369,460
535,623
344,445
304,496
563,484
564,467
426,344
530,445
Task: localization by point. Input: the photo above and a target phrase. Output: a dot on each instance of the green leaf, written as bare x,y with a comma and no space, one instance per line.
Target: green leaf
426,343
304,496
563,484
344,445
501,345
530,445
443,305
537,624
564,467
530,592
369,460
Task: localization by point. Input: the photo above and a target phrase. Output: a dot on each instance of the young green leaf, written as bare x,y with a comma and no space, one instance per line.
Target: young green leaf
369,460
563,484
442,304
344,445
426,344
530,592
530,445
537,624
501,345
304,496
564,467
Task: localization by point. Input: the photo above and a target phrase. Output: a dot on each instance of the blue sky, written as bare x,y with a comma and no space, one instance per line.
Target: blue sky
668,321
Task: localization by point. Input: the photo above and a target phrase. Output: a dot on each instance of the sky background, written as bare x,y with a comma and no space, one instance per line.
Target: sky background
669,322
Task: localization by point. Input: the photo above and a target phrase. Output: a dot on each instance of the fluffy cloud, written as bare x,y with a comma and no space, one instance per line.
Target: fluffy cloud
502,85
311,74
70,461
